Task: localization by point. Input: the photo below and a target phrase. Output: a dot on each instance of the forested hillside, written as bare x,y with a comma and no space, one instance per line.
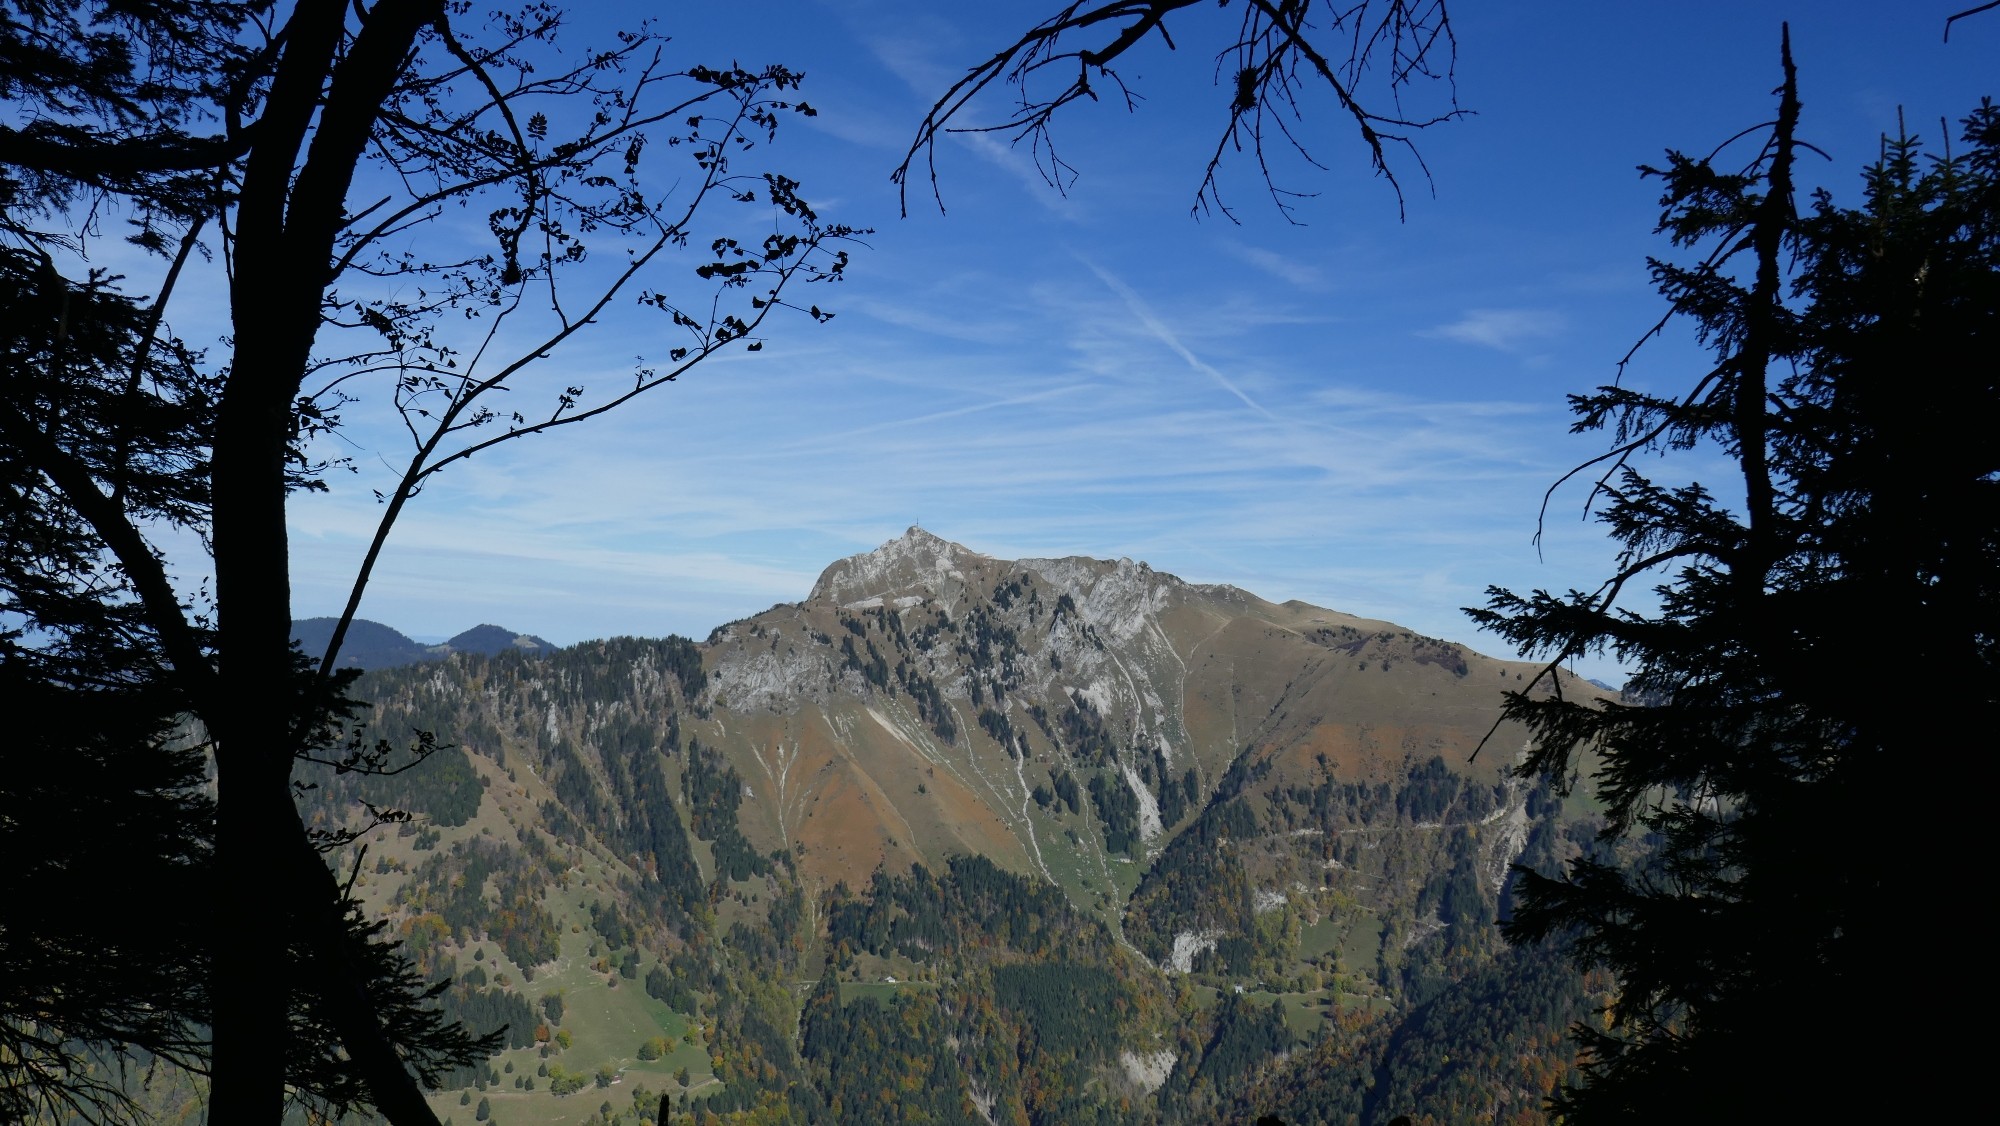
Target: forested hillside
1042,842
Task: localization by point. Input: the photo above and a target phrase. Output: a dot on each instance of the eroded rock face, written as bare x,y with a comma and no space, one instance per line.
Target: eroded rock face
931,699
915,564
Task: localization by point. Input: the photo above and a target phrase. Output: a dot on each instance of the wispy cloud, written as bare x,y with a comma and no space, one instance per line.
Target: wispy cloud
1286,269
1144,314
838,440
914,60
858,125
955,324
1024,168
913,57
1504,330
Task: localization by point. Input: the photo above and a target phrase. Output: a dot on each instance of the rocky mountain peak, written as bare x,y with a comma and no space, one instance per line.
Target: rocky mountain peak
914,563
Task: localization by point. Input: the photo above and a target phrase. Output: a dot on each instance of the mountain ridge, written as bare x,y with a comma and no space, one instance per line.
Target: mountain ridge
373,645
1211,796
1114,633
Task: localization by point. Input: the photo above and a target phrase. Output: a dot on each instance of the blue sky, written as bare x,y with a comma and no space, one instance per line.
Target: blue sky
1358,412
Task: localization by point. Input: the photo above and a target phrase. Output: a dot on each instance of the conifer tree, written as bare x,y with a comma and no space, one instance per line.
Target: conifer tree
1826,628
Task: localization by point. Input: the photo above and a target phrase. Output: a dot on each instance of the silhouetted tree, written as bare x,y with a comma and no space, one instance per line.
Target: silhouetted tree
103,807
312,143
1754,900
109,832
100,946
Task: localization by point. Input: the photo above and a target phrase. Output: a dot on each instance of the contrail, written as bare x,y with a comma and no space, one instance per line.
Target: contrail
1166,336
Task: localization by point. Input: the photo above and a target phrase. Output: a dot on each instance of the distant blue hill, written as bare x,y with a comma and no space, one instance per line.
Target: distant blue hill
372,645
490,640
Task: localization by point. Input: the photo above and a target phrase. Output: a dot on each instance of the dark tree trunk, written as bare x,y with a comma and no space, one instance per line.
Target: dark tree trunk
267,873
252,721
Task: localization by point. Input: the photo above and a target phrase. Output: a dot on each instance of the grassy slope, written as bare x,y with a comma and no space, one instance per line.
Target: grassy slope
607,1016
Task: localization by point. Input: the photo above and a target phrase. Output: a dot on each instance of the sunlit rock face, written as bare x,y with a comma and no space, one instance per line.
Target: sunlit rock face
993,681
1202,790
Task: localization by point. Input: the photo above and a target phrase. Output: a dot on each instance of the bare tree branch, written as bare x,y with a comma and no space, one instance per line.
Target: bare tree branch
1277,46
